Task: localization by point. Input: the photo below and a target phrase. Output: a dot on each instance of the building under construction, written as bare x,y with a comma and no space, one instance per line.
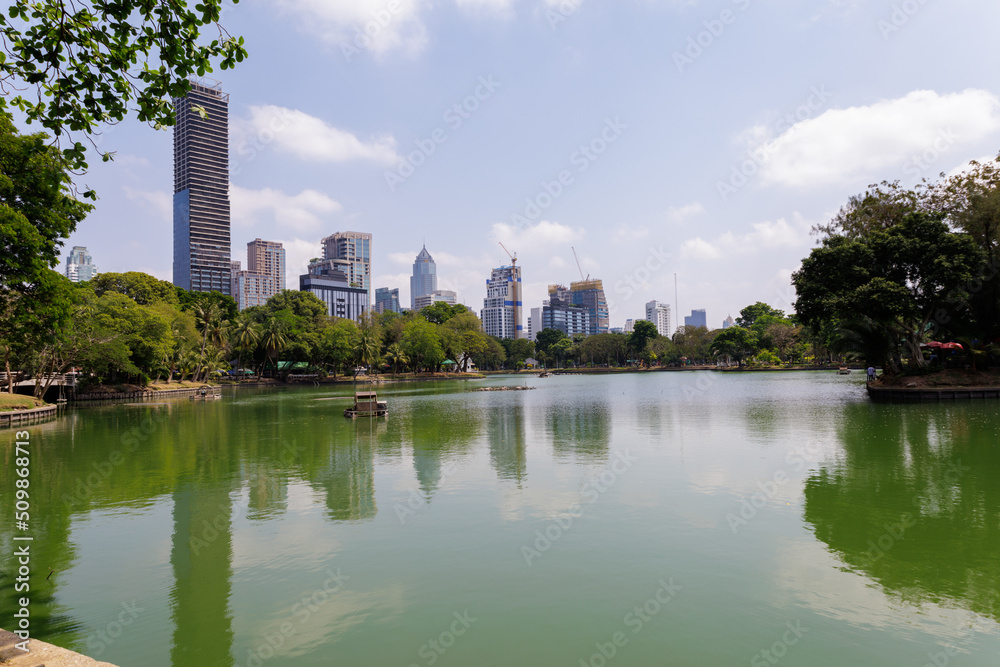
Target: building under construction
589,294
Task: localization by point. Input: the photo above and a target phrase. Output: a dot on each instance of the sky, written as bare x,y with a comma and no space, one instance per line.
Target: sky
687,143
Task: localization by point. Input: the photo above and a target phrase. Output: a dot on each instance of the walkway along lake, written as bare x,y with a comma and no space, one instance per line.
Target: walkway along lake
646,519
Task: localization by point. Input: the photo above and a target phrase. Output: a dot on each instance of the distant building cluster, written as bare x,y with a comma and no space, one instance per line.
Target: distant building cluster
80,265
342,276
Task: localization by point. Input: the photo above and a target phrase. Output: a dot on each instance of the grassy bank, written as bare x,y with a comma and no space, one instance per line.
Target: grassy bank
10,402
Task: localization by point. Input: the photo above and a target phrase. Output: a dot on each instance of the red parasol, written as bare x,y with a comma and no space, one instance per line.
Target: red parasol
933,343
952,346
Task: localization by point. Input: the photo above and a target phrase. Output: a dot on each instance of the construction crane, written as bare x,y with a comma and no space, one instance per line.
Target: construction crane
580,268
513,258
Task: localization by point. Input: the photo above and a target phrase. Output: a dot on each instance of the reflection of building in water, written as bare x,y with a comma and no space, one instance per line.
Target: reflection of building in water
427,465
201,558
505,429
580,429
349,481
913,503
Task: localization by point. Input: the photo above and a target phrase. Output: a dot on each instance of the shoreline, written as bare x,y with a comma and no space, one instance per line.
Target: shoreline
41,653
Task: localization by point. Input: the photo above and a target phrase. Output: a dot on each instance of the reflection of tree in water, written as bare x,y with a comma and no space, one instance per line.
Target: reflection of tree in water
442,430
914,504
505,430
348,480
580,429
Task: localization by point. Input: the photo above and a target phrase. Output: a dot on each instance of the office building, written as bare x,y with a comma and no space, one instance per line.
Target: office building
80,265
559,313
424,280
387,300
501,314
589,294
331,286
697,318
728,322
264,277
424,300
354,252
201,190
535,322
659,314
629,326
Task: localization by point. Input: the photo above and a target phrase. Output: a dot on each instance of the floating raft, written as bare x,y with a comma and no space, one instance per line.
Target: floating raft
366,404
206,393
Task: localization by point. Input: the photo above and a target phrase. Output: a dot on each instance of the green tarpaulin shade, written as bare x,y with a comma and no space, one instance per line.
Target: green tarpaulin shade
449,362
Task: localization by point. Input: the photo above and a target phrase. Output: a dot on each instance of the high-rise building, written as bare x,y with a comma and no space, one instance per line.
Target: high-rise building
535,322
331,286
80,265
501,314
629,326
728,322
557,312
201,190
697,318
589,294
354,249
424,280
659,314
387,300
446,296
264,277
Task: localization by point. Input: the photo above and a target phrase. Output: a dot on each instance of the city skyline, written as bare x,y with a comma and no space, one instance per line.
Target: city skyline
550,137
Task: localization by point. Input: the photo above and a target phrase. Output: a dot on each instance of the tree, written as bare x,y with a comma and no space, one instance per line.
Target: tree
440,312
37,209
142,288
546,338
90,61
735,343
244,336
750,314
396,356
879,208
274,341
642,332
896,279
422,344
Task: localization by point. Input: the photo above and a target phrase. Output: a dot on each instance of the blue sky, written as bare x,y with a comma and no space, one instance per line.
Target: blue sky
701,138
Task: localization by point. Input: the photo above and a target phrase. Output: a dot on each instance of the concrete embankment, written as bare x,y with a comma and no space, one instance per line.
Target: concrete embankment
41,654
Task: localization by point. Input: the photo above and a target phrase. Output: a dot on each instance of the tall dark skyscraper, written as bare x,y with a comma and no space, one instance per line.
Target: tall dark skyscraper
201,190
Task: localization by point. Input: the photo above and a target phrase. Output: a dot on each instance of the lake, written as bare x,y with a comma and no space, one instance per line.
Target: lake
688,518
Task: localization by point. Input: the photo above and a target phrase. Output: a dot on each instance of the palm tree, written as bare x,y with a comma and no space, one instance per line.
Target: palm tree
396,355
274,340
206,314
244,335
367,349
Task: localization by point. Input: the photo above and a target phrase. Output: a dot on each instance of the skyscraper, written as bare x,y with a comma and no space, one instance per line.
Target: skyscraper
659,314
697,318
558,312
264,277
501,314
80,265
354,249
330,284
387,300
424,280
589,294
201,190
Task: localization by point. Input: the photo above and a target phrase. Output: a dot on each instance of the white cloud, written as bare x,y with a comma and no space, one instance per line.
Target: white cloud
843,145
304,212
158,201
675,214
495,8
306,137
542,234
765,235
363,25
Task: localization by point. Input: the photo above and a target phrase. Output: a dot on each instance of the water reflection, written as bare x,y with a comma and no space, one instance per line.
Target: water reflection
913,503
506,432
580,429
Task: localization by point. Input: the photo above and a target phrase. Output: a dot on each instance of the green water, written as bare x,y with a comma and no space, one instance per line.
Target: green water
657,519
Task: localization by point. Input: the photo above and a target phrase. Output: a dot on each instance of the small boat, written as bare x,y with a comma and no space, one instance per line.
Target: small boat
843,370
206,393
366,404
544,374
